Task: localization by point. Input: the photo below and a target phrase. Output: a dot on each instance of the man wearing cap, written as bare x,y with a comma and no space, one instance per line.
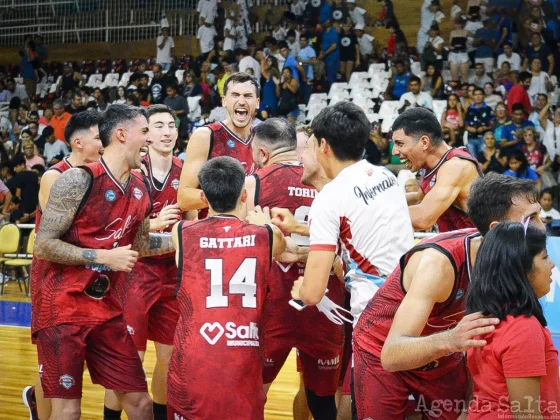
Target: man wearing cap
427,17
165,49
366,43
357,14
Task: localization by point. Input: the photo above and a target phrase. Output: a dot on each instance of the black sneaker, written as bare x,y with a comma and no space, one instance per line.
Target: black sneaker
28,396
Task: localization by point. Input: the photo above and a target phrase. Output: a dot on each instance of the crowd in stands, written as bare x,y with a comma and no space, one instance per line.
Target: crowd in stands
496,74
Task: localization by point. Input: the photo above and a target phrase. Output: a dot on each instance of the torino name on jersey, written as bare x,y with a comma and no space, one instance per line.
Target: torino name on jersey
364,211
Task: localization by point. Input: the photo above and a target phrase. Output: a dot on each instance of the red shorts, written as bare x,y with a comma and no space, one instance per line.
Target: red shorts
385,395
110,354
149,306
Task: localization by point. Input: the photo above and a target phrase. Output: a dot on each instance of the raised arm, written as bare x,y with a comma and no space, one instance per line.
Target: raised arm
197,152
451,179
430,278
66,196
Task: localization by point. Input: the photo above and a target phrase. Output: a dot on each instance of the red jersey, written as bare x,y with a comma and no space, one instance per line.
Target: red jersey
224,142
453,218
223,279
61,167
376,320
109,216
279,185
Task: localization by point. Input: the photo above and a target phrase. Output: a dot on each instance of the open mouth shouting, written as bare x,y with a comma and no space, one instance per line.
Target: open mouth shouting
241,114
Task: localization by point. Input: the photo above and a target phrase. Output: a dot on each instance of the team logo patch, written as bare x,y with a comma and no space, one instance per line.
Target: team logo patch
460,294
67,381
315,3
230,143
345,41
337,15
137,193
98,288
130,330
433,181
175,184
110,195
209,328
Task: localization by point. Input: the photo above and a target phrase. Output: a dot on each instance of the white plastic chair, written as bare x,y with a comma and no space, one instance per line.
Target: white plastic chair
416,68
439,107
371,116
363,102
111,80
388,109
95,80
125,78
361,92
376,68
179,75
343,93
194,108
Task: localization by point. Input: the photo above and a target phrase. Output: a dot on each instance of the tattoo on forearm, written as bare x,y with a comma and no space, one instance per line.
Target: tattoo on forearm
64,201
149,244
155,241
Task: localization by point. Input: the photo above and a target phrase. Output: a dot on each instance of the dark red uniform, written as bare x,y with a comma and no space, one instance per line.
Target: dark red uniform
224,142
384,395
76,316
61,167
147,293
318,340
453,218
216,366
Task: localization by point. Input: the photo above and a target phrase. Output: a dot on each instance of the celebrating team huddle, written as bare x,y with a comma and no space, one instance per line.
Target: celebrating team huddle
266,239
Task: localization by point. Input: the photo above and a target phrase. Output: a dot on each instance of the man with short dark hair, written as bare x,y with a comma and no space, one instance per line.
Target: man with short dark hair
412,335
55,149
25,186
362,210
478,120
159,84
95,214
512,131
216,366
480,78
59,119
447,173
538,49
76,105
229,138
414,97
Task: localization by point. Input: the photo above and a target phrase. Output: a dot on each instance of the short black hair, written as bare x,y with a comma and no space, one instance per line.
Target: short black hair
115,115
415,79
477,89
492,196
499,283
161,109
17,160
479,64
507,43
418,122
276,133
79,122
517,107
283,44
525,75
39,168
345,128
222,180
242,78
304,35
547,191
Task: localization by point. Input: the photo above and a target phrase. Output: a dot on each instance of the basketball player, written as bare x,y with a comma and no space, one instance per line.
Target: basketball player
82,134
447,173
147,294
216,366
318,340
94,215
412,335
229,138
362,207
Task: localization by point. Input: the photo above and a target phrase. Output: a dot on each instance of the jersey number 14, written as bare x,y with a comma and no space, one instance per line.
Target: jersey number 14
241,283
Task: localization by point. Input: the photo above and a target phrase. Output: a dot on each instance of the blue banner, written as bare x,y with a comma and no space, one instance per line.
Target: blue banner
551,302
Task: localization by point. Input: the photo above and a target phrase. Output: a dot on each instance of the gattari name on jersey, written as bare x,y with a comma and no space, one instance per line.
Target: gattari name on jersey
237,242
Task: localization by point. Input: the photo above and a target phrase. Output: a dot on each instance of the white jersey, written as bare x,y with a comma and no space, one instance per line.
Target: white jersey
364,212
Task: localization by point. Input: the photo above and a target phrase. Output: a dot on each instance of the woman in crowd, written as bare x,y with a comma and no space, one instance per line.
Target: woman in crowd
46,118
518,167
515,366
432,82
189,85
535,152
452,122
121,95
287,105
490,158
501,118
458,57
490,97
31,153
504,78
271,87
349,51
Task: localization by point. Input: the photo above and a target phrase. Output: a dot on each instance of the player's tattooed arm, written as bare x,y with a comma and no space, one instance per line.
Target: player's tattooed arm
148,244
64,201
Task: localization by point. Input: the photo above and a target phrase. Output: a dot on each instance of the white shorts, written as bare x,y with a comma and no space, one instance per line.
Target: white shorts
458,58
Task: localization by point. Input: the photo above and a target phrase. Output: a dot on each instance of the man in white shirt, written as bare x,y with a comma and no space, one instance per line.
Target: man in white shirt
230,34
511,57
205,36
366,43
362,212
165,49
207,9
427,18
415,98
54,148
241,32
246,62
357,14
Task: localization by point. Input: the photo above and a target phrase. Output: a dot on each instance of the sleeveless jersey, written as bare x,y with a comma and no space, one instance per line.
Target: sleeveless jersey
223,279
453,218
61,167
109,216
224,142
279,185
374,325
165,196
